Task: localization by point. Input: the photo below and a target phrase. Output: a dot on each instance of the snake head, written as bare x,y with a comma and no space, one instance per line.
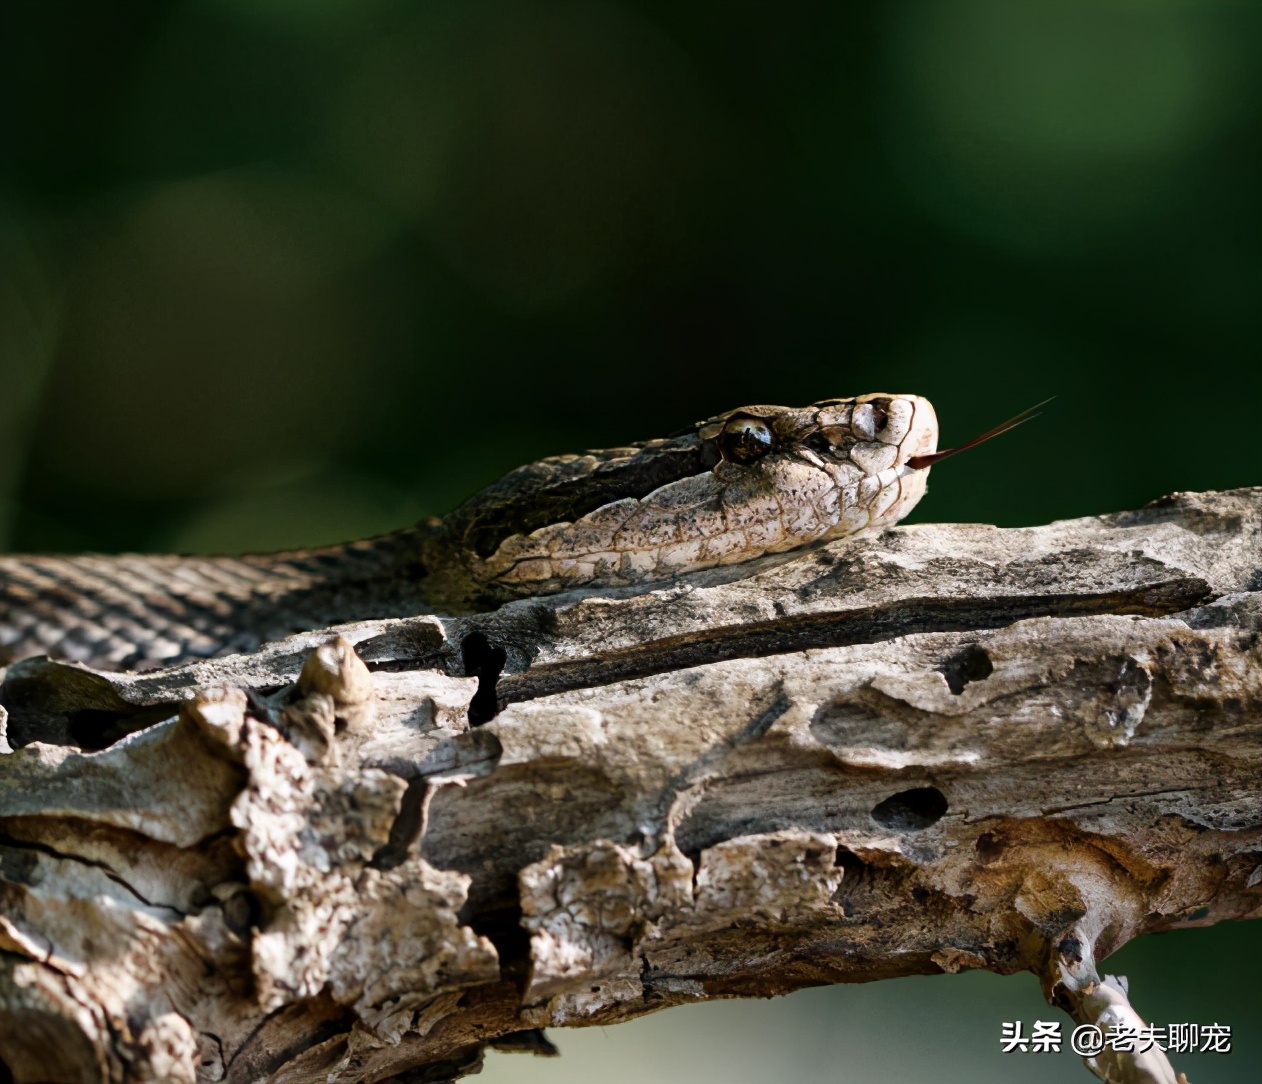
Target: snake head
753,481
862,451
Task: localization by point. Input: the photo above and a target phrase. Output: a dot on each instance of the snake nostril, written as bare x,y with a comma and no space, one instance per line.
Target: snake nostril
484,661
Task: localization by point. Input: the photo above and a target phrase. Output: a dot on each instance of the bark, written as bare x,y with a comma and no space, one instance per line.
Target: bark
365,854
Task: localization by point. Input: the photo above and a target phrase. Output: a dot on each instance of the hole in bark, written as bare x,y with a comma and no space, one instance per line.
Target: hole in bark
849,861
1070,950
911,810
988,847
6,1077
531,1041
406,829
93,729
485,661
971,664
694,856
503,928
242,913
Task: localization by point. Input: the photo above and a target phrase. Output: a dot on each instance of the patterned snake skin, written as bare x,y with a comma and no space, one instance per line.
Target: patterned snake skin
753,481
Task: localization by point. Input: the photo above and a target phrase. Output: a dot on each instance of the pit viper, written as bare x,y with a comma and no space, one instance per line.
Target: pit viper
753,481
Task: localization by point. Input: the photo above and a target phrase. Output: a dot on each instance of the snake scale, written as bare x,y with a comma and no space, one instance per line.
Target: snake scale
749,482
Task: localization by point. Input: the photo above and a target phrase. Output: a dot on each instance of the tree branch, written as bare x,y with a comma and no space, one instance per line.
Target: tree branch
946,747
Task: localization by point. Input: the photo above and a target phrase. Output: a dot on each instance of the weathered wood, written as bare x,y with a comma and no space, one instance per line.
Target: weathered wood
945,747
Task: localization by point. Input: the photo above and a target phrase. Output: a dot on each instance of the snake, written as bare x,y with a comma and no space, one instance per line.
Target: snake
730,489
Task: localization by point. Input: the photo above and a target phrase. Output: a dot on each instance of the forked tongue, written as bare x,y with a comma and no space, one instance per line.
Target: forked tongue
916,462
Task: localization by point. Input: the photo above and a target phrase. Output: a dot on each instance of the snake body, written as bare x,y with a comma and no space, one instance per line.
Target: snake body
749,482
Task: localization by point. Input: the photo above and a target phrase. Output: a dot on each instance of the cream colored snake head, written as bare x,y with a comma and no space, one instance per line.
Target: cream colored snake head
752,481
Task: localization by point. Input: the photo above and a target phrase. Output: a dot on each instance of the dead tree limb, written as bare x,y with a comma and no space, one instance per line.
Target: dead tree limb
946,747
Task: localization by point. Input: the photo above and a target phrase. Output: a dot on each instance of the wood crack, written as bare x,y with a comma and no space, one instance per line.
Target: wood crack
869,625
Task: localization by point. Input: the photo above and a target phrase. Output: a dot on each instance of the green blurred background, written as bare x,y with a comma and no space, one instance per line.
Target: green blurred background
282,272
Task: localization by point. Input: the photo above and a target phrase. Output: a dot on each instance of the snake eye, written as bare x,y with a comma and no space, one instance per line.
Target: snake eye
744,439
